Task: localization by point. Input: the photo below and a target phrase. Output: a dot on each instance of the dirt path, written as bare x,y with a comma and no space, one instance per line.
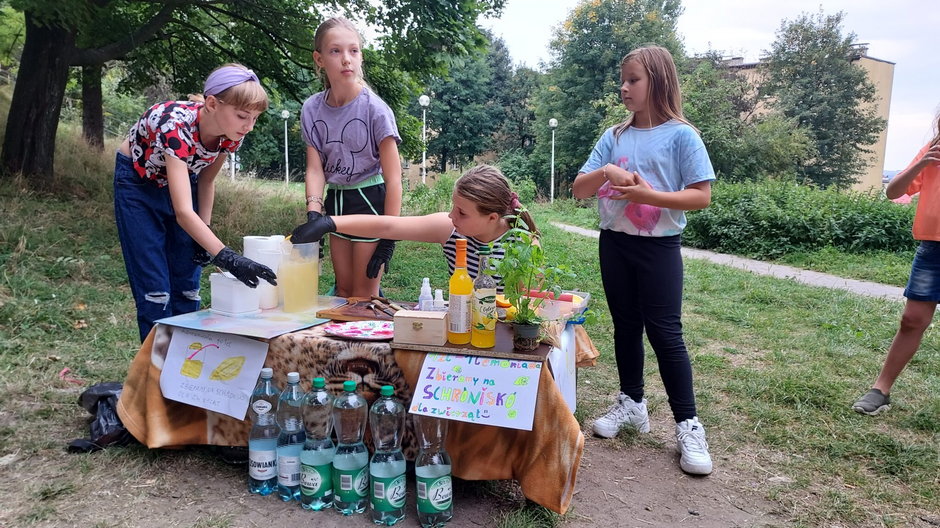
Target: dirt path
635,486
812,278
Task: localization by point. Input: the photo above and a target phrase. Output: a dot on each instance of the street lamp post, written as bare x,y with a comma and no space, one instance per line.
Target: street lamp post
424,101
552,123
285,115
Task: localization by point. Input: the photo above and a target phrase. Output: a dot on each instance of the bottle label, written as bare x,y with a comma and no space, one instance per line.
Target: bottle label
316,481
351,484
388,493
434,494
261,406
459,314
288,470
262,465
484,310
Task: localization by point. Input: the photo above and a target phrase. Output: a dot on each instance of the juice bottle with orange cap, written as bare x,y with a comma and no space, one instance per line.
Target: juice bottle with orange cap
460,290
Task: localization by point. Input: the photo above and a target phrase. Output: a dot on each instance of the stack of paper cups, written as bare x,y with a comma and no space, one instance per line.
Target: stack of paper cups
265,250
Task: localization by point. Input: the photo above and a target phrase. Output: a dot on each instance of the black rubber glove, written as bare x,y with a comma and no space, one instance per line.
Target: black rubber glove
317,225
381,255
244,269
200,256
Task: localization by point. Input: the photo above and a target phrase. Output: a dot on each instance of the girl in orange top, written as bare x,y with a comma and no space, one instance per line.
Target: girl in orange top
923,287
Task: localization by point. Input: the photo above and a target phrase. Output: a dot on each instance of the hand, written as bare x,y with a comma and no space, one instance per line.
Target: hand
244,269
635,193
201,257
620,177
314,229
381,255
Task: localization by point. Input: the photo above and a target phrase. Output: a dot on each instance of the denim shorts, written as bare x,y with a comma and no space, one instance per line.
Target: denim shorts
924,283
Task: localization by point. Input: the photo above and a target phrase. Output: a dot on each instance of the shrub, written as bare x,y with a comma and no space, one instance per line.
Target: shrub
431,198
769,219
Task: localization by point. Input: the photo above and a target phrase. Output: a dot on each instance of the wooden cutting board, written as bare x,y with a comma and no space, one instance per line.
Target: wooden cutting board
357,309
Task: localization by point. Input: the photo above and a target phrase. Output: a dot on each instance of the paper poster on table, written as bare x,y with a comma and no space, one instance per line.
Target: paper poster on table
481,390
212,370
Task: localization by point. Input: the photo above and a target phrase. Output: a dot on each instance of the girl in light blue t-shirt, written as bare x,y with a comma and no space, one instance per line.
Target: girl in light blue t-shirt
646,172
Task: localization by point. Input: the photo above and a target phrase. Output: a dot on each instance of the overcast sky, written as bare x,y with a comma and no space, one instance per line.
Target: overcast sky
900,31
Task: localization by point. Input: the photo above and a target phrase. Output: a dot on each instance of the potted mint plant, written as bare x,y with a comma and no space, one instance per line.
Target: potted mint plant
528,277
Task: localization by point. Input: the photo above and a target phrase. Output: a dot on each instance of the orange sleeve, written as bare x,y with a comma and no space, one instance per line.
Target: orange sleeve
918,180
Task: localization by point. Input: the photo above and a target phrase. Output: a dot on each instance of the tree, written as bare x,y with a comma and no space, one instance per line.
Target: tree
65,33
585,66
463,113
811,78
516,130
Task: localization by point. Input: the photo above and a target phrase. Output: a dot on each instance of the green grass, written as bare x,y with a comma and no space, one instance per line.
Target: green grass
878,266
776,363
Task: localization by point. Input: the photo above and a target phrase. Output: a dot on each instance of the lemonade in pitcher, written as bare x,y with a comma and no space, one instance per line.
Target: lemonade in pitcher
298,277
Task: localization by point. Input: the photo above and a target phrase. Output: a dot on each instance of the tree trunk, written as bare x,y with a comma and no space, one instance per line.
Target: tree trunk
92,114
29,145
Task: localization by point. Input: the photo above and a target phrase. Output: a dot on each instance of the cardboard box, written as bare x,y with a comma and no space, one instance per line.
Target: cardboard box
414,327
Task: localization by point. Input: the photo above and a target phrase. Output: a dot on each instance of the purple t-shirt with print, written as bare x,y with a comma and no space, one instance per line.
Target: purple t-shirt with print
348,137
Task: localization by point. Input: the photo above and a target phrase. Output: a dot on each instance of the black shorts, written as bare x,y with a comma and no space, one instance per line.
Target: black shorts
362,200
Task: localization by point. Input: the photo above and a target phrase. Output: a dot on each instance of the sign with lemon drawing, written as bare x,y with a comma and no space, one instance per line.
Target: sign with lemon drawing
212,370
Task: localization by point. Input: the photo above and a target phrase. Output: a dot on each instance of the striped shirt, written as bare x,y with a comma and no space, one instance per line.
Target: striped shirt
473,255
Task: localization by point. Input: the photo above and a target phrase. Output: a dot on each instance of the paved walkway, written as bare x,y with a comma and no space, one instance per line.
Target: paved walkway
812,278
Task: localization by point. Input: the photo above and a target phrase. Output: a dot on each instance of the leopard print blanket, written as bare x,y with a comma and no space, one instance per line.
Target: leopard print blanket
545,460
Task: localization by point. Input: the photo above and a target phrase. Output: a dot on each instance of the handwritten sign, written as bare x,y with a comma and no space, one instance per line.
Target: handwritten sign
473,389
212,370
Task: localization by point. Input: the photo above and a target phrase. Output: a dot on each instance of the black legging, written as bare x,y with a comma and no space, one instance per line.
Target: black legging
643,283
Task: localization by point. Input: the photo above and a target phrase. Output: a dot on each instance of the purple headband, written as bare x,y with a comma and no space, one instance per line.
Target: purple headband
225,77
514,201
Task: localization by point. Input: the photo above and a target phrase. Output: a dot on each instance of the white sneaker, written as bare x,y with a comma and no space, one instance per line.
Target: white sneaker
690,442
624,412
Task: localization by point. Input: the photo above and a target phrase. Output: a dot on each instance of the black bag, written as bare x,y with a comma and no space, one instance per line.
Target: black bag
105,425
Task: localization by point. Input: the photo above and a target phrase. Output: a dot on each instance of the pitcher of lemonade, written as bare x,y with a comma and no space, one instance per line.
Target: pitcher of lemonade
298,276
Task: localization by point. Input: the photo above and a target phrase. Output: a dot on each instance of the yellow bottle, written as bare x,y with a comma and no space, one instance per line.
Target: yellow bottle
460,291
483,324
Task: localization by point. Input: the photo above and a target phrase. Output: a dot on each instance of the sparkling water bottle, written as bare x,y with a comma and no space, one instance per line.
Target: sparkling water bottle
316,460
291,440
432,472
262,440
351,462
387,468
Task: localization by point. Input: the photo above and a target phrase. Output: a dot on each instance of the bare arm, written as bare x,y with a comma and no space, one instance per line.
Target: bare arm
898,185
177,174
205,188
435,227
695,196
586,184
391,173
314,180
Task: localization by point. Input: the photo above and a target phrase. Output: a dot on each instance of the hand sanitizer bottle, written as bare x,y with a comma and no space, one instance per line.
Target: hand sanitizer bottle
425,301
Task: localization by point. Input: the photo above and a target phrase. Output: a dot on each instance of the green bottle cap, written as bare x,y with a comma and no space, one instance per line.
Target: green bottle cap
349,386
387,390
319,383
484,250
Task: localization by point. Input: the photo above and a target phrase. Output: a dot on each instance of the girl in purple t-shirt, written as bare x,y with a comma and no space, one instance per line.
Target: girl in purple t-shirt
352,151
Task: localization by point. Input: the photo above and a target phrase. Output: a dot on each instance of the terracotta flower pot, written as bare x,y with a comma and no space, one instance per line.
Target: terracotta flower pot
525,337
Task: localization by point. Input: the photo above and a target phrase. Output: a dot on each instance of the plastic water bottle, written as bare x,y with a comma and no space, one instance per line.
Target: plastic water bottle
425,300
291,440
351,462
387,468
262,440
316,460
432,472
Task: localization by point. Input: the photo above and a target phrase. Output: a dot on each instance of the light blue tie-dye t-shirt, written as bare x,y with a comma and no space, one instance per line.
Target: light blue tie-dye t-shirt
670,157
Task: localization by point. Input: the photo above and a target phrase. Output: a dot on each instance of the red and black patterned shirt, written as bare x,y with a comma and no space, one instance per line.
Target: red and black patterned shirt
172,128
